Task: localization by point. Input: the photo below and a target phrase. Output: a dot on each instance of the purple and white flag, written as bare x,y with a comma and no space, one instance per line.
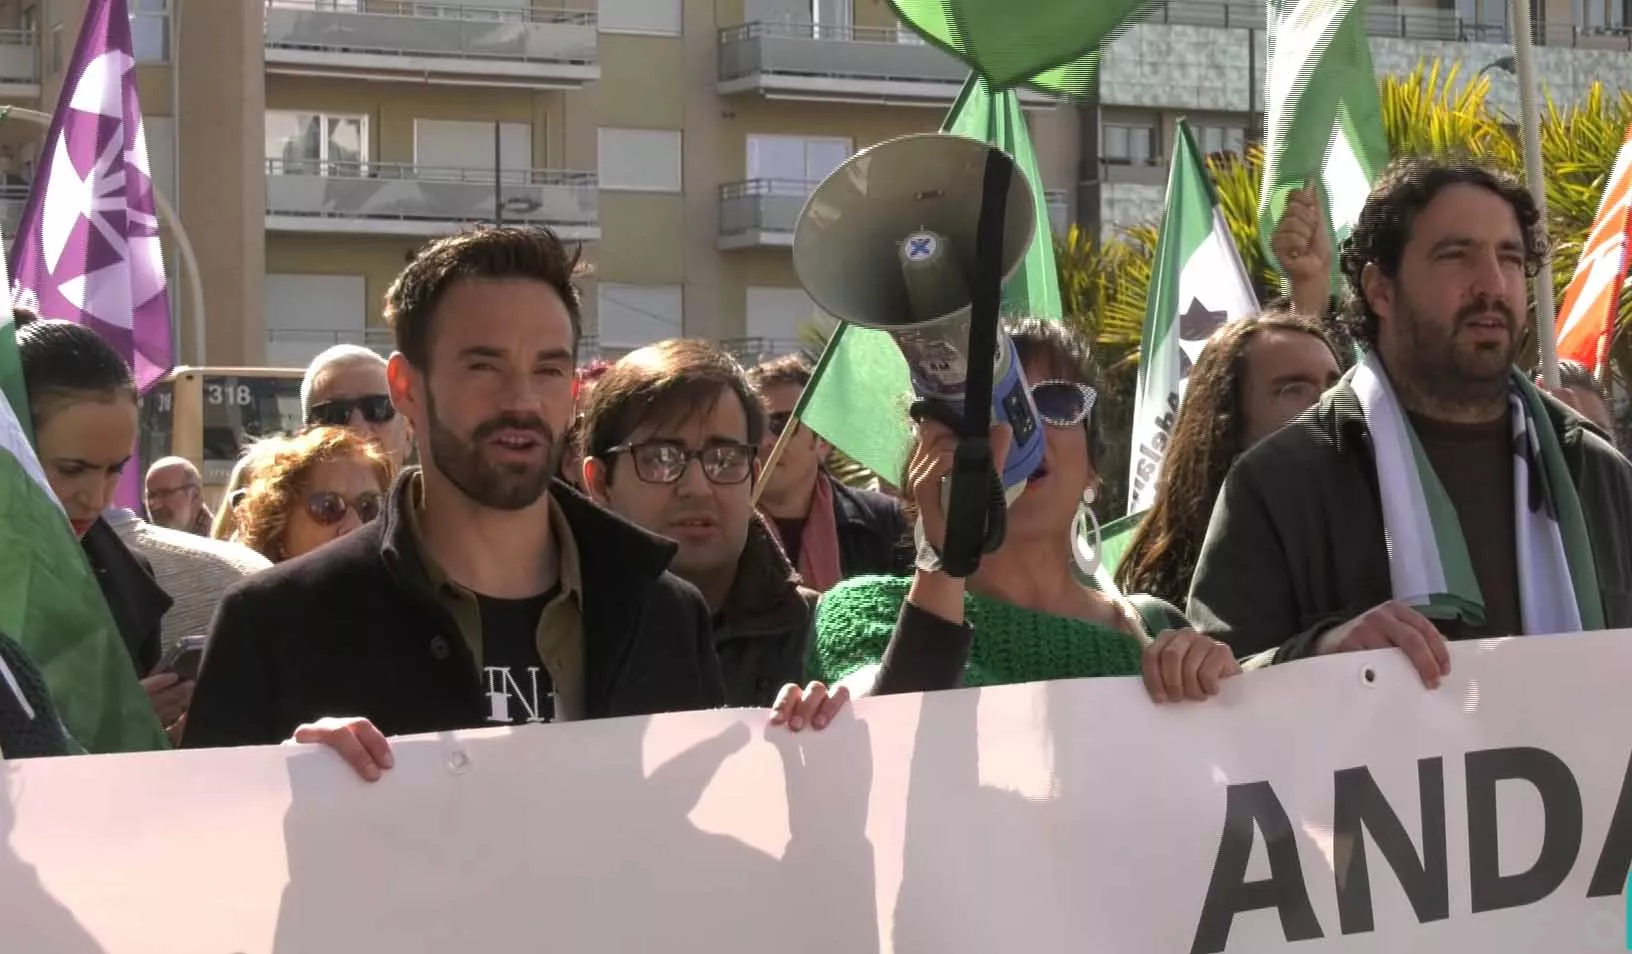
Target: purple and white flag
87,248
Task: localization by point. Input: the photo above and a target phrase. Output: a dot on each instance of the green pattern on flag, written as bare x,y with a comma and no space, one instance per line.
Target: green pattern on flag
1197,283
50,603
1322,115
1051,45
860,390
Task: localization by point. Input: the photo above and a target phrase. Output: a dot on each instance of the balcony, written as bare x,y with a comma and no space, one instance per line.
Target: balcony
296,347
12,200
425,201
393,41
841,65
762,213
19,66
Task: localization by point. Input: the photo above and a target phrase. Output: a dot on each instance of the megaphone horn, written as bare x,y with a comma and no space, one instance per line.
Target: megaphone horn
887,241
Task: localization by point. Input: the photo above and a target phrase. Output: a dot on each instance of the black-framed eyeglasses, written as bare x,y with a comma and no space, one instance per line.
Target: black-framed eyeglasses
1063,403
778,422
665,462
376,408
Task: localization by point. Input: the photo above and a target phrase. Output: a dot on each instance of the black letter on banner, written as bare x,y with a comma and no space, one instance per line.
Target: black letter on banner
1609,878
1246,807
1560,826
1359,808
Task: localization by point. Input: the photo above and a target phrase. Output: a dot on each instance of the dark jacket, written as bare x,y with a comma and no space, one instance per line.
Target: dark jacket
29,724
134,597
1296,542
874,536
353,629
763,632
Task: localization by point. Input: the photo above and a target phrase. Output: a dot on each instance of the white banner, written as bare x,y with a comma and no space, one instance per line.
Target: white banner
1488,816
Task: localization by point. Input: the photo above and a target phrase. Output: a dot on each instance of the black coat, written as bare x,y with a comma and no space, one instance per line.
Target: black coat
874,536
136,600
353,629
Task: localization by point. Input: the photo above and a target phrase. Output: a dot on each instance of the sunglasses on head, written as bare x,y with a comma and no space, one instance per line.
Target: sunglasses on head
328,508
1063,403
376,408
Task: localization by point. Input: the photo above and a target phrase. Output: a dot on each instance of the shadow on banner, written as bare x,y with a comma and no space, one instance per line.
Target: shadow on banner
582,847
49,925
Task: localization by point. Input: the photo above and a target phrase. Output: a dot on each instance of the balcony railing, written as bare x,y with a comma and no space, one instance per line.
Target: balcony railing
328,196
19,57
296,347
433,30
751,351
765,211
1411,23
12,200
815,61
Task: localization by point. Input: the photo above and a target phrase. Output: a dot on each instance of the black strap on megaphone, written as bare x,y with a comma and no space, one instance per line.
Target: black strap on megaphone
976,516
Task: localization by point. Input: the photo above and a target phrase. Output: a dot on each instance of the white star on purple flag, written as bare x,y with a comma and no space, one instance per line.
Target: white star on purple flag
87,247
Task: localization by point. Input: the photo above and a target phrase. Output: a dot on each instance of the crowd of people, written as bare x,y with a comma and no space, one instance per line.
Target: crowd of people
479,532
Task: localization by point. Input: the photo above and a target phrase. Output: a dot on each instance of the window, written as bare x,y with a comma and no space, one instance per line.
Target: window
660,17
1126,144
795,158
54,51
464,150
632,316
775,316
1213,140
29,23
1600,14
160,133
639,160
316,144
514,11
832,18
306,314
150,30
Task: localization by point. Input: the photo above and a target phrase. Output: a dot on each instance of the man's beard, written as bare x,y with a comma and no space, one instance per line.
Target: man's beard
510,486
1447,370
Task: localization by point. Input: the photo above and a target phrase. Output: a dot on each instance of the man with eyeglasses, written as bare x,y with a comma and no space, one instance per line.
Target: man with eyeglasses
832,532
345,386
671,438
175,496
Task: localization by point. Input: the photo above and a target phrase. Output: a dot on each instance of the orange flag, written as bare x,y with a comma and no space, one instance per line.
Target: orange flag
1587,319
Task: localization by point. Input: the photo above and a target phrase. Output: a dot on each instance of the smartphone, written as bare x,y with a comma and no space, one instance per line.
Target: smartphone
183,658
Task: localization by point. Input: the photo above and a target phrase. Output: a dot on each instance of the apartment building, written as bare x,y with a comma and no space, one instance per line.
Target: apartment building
310,146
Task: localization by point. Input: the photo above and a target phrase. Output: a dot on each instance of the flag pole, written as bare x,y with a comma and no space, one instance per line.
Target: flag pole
1524,63
195,285
775,457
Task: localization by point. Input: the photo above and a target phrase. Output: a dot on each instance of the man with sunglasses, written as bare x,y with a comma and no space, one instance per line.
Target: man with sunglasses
832,532
671,438
345,386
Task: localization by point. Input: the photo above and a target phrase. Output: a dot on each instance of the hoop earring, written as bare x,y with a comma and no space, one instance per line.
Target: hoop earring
1085,526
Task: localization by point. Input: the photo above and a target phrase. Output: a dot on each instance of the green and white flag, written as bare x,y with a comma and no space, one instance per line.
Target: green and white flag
50,603
1322,114
1198,283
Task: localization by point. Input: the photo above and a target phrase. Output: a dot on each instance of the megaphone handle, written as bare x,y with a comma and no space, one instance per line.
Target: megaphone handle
976,501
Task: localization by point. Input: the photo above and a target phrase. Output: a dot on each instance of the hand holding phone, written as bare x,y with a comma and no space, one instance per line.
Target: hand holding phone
183,658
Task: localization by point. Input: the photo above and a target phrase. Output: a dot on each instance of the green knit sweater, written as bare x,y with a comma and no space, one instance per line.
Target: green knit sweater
1012,645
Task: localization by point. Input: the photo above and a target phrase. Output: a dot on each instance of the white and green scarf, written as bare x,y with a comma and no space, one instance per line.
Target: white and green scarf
1427,556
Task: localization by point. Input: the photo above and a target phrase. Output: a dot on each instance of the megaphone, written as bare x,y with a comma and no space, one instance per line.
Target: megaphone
887,241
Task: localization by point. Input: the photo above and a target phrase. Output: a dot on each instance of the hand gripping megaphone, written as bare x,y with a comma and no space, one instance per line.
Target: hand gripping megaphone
888,241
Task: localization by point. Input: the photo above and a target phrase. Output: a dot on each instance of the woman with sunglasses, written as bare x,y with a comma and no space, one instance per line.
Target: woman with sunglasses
1025,615
310,489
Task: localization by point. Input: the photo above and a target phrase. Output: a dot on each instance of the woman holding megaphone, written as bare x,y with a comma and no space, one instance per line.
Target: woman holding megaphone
1024,615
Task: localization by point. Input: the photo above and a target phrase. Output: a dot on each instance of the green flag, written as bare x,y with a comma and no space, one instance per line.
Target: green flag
1322,115
1197,284
860,390
50,603
1051,45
